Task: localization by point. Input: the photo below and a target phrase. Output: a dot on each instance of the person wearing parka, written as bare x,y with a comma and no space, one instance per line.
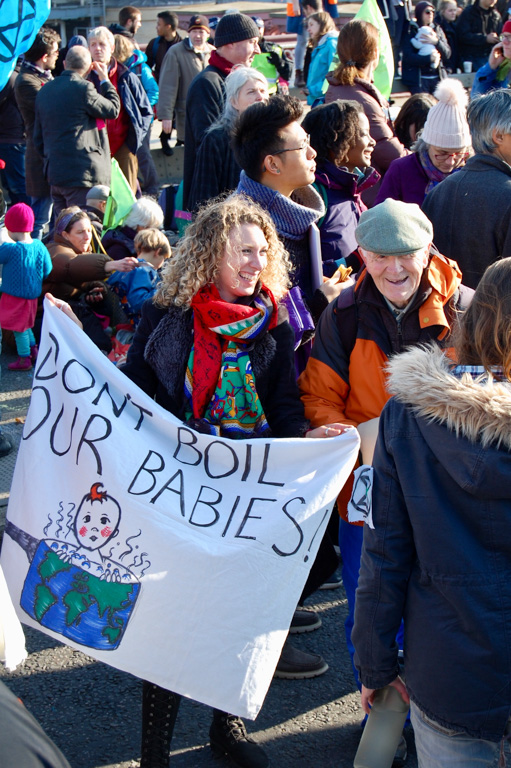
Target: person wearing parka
321,58
180,65
439,555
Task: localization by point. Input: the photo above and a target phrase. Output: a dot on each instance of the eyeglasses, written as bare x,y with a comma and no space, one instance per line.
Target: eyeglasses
428,10
305,146
505,38
446,155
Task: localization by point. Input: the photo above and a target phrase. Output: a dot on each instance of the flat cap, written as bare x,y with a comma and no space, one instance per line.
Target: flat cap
394,228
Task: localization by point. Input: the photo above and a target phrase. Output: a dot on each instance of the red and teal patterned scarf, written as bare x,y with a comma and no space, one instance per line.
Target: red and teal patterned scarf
220,388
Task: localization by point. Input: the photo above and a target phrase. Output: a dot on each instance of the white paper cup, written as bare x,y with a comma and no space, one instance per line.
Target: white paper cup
467,67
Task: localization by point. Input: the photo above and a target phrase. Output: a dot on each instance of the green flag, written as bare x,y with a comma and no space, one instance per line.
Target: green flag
384,72
120,200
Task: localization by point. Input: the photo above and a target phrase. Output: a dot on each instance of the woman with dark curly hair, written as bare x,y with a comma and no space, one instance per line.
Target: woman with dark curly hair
339,132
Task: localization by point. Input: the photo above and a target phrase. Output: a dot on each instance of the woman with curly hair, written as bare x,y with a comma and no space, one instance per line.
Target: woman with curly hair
339,132
189,353
357,48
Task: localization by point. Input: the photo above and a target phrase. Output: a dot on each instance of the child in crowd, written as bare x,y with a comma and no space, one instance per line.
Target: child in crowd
323,40
26,263
133,288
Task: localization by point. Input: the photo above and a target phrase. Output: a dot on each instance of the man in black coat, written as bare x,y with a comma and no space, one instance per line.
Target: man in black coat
478,30
66,133
236,42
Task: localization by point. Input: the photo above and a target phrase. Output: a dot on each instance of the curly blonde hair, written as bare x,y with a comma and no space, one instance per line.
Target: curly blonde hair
196,261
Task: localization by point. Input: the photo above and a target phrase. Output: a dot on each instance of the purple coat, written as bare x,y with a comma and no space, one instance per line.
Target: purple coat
405,180
342,191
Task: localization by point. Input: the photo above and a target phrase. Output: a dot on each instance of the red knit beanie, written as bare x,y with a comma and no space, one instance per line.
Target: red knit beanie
507,27
19,218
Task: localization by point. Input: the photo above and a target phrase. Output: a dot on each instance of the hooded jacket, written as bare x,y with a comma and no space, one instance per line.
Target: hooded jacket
341,192
440,553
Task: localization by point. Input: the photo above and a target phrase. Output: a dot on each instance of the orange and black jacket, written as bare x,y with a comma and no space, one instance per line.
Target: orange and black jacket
345,378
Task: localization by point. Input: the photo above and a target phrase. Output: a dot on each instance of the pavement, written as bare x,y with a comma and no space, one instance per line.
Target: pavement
93,711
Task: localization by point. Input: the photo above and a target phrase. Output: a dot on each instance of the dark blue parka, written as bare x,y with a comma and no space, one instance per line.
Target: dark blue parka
440,553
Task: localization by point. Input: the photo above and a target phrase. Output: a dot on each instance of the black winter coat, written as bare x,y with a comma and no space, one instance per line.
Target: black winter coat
204,104
216,170
159,354
76,153
415,65
472,27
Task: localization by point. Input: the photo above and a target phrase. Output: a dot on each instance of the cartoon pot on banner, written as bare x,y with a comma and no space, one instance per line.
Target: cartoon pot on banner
76,588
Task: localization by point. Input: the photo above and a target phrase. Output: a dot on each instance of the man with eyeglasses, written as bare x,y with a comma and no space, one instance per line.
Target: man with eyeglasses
477,31
405,294
471,209
278,165
496,73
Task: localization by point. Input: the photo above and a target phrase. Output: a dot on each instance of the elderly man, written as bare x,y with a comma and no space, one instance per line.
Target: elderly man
405,294
127,132
69,112
471,209
236,43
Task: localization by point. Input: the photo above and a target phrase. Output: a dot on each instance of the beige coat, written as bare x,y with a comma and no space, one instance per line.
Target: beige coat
179,67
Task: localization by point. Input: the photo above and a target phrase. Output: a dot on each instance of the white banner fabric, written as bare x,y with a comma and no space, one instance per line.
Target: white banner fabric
172,555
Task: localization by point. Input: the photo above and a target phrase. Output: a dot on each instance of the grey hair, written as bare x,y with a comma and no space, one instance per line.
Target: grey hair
419,145
145,213
488,113
234,82
78,59
103,32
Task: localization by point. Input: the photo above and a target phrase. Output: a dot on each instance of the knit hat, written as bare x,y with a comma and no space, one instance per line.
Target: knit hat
507,27
198,22
420,8
19,218
233,28
394,228
446,124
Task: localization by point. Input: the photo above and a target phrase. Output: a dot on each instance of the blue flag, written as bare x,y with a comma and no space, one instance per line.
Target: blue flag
19,22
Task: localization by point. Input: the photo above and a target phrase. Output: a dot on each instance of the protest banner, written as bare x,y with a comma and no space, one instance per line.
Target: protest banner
175,556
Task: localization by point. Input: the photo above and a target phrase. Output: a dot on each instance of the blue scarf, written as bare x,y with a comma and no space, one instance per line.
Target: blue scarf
291,217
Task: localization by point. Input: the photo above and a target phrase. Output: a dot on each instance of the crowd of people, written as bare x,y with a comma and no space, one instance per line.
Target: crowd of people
370,265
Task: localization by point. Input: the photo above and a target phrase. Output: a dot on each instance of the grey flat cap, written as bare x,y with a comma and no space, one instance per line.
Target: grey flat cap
394,228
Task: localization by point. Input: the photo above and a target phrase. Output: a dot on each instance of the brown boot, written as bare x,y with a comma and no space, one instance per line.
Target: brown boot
299,81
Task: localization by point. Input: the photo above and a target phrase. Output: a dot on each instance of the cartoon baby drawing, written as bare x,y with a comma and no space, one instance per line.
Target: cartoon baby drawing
76,587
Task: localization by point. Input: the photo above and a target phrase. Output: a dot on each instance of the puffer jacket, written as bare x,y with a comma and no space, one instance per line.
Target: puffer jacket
440,552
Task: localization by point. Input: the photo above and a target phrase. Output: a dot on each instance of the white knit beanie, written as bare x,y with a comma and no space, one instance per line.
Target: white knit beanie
446,124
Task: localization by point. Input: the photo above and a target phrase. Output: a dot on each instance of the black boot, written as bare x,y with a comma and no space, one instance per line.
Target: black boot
165,146
159,712
228,736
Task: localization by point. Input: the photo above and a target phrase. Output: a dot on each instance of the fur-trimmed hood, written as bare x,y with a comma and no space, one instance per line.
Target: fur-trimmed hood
477,409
